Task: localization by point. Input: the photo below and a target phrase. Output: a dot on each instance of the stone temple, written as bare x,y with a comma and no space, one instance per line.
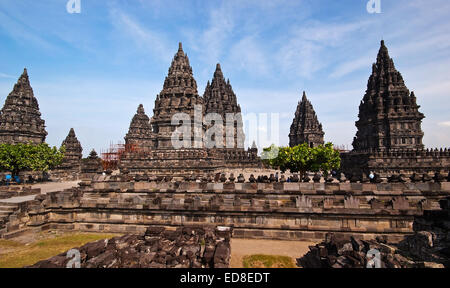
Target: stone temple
389,136
70,167
74,152
156,155
305,127
389,116
20,119
140,132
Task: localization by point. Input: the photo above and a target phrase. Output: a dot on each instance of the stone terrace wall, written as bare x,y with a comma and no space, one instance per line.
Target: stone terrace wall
405,162
294,211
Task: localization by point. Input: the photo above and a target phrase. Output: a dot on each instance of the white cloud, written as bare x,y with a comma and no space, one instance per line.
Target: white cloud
210,42
353,65
306,49
3,75
247,55
144,38
444,124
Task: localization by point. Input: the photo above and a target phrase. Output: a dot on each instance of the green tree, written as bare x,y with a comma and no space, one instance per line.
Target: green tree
303,158
29,157
325,158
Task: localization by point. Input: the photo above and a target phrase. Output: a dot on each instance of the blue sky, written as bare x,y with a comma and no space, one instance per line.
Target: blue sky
91,70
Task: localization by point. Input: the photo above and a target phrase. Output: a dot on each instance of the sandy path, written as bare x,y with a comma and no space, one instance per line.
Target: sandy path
45,188
244,247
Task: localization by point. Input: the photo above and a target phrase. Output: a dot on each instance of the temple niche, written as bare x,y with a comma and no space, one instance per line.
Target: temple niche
389,134
20,119
305,127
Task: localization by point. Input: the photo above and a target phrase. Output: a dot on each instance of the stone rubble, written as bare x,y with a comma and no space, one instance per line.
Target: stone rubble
187,247
428,247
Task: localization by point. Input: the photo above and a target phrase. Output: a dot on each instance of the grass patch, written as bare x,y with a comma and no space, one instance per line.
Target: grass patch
9,244
25,255
268,261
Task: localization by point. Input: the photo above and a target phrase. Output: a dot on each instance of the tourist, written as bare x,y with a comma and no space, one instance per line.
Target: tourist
8,179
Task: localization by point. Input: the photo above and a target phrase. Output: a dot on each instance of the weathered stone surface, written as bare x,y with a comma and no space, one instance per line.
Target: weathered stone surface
305,127
91,166
262,210
187,247
70,167
389,135
140,132
179,95
20,119
387,110
429,247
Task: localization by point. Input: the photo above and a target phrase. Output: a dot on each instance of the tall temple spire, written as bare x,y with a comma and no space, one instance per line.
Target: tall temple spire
140,131
389,116
219,98
20,119
179,95
305,127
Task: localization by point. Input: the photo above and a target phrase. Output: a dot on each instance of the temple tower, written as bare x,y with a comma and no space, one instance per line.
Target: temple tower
305,127
389,116
219,98
179,95
74,152
140,131
20,119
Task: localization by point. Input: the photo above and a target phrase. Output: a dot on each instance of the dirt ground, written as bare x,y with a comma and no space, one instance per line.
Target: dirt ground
243,247
239,247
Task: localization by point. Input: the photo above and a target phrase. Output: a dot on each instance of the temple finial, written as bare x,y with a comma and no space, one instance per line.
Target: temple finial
140,109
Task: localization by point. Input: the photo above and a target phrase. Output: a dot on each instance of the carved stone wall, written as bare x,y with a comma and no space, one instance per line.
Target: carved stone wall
294,211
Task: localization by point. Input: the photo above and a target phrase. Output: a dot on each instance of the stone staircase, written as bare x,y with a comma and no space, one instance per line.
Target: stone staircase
6,209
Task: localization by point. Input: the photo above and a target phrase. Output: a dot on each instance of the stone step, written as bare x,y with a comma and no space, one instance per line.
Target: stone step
16,233
3,204
7,208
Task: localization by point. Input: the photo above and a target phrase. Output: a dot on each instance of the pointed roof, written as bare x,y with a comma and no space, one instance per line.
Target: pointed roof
73,149
219,96
385,76
71,141
20,119
180,78
93,155
140,128
387,100
305,126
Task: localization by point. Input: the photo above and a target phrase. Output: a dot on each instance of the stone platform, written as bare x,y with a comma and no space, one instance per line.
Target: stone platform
286,211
